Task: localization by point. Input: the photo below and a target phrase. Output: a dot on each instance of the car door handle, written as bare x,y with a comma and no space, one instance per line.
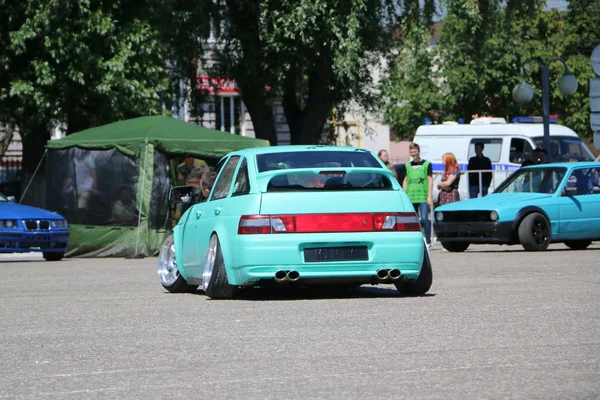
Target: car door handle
198,214
218,210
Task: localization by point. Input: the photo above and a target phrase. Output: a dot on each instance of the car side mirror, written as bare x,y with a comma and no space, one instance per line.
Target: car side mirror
570,191
181,194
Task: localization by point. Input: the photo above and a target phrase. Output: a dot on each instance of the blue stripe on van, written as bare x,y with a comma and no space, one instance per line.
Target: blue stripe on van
439,167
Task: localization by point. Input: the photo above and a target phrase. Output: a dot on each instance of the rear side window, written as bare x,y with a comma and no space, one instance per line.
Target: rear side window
327,182
315,159
491,148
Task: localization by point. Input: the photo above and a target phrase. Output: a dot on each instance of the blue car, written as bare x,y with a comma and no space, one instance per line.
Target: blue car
24,229
535,206
297,215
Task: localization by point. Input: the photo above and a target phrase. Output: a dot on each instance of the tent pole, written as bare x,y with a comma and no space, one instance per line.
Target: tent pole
137,236
33,176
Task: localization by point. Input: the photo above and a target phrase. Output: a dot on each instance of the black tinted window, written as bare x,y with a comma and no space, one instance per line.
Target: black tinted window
316,159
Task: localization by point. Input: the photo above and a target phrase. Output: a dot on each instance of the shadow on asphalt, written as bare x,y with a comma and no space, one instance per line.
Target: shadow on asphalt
314,293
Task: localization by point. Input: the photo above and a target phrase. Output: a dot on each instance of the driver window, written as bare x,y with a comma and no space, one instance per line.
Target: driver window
225,179
582,180
520,150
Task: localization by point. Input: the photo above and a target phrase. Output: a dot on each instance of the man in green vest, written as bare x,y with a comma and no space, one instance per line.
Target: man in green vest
418,184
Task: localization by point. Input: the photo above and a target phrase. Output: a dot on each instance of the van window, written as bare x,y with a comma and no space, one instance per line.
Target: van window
520,150
565,148
491,148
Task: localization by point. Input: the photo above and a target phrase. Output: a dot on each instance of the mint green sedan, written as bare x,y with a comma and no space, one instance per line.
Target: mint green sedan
296,215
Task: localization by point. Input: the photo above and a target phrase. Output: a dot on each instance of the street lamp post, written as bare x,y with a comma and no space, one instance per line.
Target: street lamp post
522,92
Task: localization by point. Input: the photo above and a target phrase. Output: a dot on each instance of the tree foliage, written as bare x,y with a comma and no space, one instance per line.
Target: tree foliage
480,52
315,54
77,64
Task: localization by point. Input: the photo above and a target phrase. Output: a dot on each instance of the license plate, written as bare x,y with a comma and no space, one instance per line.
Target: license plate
346,253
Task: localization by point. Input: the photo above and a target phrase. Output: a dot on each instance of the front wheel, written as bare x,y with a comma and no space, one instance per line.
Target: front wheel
214,277
534,232
53,256
423,282
168,273
455,247
578,244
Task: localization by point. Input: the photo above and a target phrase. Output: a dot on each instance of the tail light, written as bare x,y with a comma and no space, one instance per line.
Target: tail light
329,223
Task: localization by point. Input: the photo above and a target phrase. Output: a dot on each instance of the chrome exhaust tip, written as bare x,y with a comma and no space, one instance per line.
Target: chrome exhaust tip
281,276
293,276
394,274
382,274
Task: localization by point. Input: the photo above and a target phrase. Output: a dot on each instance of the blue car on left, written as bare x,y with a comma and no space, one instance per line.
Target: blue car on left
25,229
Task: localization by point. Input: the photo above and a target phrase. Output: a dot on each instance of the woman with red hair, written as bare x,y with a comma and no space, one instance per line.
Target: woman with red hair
449,184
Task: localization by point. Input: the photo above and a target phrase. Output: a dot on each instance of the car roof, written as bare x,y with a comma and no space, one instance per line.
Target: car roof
583,164
492,130
295,148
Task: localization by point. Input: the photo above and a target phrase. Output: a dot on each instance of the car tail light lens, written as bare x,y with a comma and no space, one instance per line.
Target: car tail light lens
253,224
328,223
407,222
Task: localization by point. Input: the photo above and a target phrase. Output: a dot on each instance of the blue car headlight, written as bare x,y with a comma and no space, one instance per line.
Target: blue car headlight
8,223
494,216
59,223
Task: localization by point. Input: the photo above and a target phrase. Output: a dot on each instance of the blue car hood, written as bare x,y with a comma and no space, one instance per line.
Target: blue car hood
10,210
492,201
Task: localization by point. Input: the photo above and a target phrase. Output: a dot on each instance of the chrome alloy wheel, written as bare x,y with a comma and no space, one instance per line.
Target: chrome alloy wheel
209,263
167,264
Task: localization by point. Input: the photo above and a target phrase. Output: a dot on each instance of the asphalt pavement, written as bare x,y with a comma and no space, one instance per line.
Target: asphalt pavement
498,322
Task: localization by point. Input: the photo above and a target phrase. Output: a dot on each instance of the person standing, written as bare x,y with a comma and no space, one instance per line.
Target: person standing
477,163
418,185
449,184
384,157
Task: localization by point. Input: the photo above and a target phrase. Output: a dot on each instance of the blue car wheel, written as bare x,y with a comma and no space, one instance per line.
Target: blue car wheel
534,232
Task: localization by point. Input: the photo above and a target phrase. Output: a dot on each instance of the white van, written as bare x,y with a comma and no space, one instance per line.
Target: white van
506,145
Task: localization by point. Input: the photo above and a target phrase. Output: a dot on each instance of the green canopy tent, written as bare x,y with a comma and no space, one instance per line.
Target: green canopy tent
91,177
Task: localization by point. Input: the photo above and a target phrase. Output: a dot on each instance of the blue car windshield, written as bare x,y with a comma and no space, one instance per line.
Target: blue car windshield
315,159
533,180
566,148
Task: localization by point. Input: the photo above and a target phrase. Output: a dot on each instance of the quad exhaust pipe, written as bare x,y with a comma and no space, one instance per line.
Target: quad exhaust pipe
388,274
282,276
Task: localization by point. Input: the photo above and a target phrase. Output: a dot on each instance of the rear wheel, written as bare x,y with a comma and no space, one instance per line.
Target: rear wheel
455,247
214,277
168,273
53,256
534,232
423,282
578,244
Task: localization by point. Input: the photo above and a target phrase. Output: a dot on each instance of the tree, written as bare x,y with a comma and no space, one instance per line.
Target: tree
316,54
77,64
579,38
410,92
467,27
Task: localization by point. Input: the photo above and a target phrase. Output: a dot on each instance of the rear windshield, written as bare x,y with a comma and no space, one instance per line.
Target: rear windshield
326,181
315,159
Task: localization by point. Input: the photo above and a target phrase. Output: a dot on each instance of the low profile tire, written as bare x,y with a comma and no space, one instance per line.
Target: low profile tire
534,232
423,282
455,247
53,256
214,277
578,244
168,273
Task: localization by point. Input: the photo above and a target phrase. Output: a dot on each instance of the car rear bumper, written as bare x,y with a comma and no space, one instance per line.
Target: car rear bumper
261,256
21,242
475,232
